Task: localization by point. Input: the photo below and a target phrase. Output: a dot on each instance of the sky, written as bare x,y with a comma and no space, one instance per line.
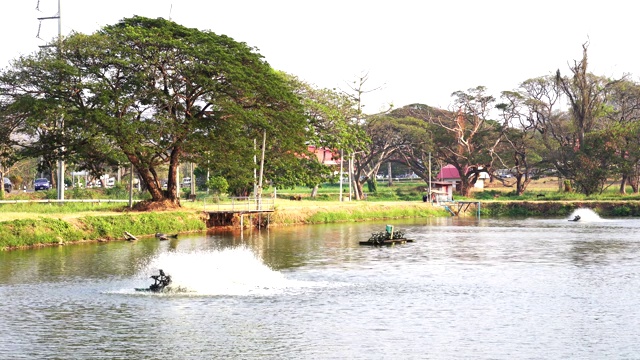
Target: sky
412,51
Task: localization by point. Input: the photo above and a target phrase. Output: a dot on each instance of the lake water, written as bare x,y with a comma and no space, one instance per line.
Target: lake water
466,288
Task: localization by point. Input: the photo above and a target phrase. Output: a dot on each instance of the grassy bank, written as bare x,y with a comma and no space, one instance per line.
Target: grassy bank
558,208
332,212
26,225
49,231
39,224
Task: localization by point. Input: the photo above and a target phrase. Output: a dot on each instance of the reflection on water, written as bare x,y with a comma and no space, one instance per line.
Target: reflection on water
466,288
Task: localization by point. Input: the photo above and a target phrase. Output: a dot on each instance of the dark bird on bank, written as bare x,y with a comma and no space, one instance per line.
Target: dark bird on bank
162,236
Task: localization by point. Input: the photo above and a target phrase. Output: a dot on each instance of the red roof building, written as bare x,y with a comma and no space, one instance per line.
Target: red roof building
448,173
325,156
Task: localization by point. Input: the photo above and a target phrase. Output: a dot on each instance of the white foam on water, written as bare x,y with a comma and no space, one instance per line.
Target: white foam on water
234,271
586,215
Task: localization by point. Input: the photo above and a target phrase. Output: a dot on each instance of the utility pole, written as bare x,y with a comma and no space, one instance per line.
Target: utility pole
430,189
255,169
61,165
193,183
178,184
264,145
350,166
341,172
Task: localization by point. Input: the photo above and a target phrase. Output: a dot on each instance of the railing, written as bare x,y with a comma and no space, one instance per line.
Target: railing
240,204
67,200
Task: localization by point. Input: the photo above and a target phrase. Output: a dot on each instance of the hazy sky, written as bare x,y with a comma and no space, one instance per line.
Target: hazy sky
416,51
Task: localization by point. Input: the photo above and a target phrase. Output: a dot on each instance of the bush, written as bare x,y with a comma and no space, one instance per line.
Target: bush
408,194
372,185
118,191
218,185
621,211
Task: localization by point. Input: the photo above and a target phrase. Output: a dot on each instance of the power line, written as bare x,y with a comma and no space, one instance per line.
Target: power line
55,17
61,164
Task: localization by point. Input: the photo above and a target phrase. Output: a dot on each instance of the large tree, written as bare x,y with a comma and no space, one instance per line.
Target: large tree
385,140
157,92
413,125
587,96
523,113
624,119
468,138
332,122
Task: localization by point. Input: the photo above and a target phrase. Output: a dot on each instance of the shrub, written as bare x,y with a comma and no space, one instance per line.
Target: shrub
218,185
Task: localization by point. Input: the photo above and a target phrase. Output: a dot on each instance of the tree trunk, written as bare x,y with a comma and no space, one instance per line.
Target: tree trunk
560,183
54,178
358,190
633,182
151,184
150,180
314,192
623,185
172,182
519,185
465,187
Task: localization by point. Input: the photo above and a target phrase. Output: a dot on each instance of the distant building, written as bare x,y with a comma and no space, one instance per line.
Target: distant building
482,177
450,174
325,156
441,191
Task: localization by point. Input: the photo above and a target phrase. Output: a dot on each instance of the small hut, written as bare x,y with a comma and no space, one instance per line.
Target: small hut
441,191
450,175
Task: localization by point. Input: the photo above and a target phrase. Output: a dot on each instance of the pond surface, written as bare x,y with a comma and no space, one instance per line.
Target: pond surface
465,289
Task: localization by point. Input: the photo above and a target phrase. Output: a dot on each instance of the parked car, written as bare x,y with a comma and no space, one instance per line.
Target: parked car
8,186
41,184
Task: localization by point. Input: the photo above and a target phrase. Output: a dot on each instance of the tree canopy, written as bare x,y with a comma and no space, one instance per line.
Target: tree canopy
152,92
